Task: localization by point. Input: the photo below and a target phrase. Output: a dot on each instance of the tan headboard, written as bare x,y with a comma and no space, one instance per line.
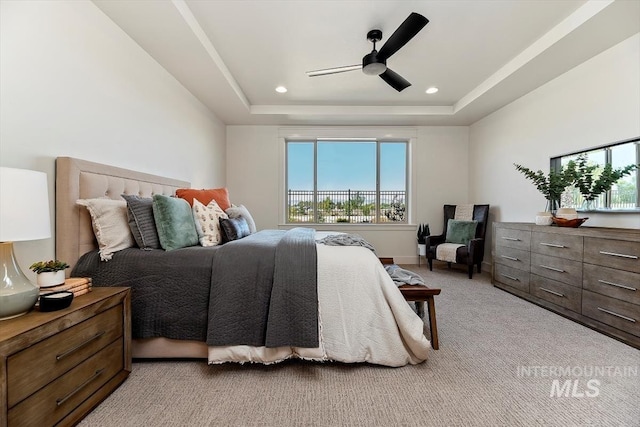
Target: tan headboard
80,179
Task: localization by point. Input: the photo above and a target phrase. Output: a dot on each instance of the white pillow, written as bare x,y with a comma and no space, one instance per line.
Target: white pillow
207,219
110,225
241,211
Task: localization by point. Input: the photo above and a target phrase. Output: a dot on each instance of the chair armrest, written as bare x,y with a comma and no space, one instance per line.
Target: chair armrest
435,240
476,248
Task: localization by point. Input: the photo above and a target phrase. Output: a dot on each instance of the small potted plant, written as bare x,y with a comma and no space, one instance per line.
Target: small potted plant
49,273
423,232
592,180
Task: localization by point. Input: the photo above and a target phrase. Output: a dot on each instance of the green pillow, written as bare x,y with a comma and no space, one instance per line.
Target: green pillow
174,222
461,231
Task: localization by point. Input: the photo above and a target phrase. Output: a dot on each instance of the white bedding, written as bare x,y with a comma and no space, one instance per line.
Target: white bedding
363,317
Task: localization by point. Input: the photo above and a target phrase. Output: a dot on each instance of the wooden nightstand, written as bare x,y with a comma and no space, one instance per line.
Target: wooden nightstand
57,366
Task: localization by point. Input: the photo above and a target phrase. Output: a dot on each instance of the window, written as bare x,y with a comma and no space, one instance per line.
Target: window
624,193
361,181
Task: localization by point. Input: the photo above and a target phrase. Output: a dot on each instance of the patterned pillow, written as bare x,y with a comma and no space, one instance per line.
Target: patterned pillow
110,225
241,211
141,221
207,219
174,222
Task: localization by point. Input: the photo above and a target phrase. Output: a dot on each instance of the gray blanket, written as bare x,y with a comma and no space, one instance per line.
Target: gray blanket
264,291
346,240
402,276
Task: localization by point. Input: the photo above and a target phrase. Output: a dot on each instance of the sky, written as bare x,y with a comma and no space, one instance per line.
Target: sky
346,165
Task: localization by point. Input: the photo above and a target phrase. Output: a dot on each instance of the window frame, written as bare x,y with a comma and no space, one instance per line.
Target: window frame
407,135
556,164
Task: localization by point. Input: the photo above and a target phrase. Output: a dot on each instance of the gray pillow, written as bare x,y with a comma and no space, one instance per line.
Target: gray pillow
241,211
233,229
174,222
141,221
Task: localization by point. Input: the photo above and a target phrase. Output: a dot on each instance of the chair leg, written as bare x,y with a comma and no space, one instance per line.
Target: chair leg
430,264
470,271
479,267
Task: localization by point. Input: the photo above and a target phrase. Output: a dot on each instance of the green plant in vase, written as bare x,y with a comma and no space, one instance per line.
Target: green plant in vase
593,180
551,185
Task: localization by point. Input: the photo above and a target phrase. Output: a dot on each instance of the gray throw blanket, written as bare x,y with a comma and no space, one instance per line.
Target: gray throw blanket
346,240
264,291
402,276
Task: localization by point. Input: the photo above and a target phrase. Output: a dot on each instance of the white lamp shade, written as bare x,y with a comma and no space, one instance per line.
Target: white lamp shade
24,205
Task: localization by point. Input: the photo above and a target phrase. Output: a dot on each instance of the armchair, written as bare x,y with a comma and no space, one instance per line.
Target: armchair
472,253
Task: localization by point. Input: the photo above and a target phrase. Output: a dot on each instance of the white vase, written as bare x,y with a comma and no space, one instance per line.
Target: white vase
422,249
50,278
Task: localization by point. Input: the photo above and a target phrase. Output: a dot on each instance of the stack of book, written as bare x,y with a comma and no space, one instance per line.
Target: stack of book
77,285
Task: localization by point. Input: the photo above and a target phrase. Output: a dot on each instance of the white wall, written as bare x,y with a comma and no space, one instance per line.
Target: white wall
72,83
596,103
255,161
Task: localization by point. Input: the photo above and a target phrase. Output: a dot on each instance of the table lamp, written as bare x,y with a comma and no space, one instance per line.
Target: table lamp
24,215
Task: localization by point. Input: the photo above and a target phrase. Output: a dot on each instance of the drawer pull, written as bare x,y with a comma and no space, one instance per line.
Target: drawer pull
619,255
513,239
80,387
618,285
616,314
510,257
511,277
552,292
79,346
553,245
552,268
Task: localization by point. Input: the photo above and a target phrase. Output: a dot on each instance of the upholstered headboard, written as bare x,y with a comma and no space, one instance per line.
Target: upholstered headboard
80,179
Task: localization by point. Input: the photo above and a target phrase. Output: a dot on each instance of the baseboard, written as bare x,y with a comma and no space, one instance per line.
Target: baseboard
409,260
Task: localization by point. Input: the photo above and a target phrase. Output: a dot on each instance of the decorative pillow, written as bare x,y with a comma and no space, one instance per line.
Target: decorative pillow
174,222
461,231
141,222
220,195
207,219
234,229
241,211
110,225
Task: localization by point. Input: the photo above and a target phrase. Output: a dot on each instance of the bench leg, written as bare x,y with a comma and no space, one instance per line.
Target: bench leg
420,308
433,327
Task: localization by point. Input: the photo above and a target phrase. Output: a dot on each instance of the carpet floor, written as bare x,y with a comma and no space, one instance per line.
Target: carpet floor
502,362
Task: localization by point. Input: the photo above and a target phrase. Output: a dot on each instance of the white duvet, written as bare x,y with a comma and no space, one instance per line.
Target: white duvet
363,317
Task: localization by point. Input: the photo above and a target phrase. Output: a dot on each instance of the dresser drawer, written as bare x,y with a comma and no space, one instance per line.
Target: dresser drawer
619,314
555,292
517,239
557,245
622,285
39,364
513,277
562,270
515,258
618,254
53,402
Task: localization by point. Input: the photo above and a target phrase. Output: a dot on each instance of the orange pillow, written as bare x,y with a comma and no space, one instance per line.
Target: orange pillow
221,196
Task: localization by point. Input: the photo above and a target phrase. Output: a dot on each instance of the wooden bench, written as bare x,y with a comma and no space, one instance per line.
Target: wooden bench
421,294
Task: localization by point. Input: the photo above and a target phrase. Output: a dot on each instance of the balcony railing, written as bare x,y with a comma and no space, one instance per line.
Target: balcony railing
619,199
346,206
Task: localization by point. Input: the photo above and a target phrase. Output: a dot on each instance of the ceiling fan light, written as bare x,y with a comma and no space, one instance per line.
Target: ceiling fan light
374,69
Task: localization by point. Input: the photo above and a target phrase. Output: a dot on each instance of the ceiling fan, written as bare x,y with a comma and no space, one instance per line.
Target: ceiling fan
375,63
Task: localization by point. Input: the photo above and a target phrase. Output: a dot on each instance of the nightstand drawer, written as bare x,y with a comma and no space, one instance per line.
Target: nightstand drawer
515,258
518,279
619,314
53,402
39,364
618,254
618,284
557,245
517,239
562,270
561,294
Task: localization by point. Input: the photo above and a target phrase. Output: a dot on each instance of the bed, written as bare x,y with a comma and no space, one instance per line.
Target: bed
361,315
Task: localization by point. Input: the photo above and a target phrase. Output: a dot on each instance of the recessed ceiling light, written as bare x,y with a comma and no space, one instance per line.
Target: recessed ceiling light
281,89
432,90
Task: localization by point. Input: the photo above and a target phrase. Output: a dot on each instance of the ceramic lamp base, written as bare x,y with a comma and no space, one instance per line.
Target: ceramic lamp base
17,294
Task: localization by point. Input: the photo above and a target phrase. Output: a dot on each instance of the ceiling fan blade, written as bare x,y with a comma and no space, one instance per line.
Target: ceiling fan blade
334,70
405,32
395,80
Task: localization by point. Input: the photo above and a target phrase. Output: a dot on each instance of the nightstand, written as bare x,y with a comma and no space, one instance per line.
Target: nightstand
57,366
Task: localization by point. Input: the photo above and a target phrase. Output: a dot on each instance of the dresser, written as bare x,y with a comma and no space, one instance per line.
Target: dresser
57,366
588,274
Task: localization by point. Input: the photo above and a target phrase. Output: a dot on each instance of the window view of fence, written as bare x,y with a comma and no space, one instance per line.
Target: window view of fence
620,199
346,206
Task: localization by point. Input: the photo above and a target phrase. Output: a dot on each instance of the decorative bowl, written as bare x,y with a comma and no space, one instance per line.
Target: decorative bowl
563,222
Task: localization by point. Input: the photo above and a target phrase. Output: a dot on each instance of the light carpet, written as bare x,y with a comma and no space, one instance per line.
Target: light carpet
489,339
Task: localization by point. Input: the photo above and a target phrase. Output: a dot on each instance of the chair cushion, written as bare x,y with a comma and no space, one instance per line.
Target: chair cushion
461,231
